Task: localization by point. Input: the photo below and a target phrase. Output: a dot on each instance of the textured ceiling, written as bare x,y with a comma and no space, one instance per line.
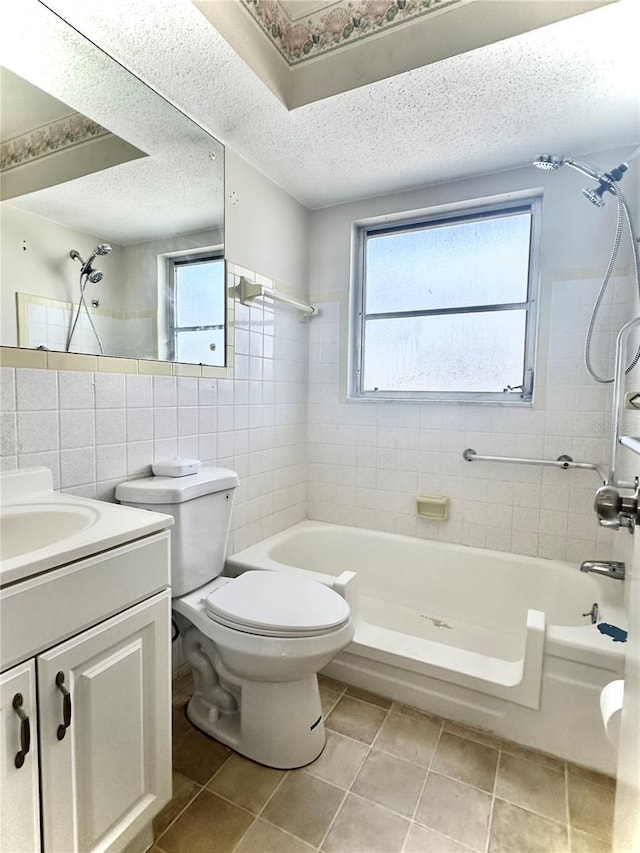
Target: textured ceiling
564,87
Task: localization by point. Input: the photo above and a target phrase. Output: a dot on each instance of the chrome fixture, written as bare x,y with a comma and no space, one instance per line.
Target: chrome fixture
87,275
614,510
607,182
593,613
565,462
609,568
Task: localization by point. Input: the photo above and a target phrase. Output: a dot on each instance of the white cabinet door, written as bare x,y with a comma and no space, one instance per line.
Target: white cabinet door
19,791
105,730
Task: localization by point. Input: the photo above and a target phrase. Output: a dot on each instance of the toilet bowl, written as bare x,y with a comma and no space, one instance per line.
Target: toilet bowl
256,642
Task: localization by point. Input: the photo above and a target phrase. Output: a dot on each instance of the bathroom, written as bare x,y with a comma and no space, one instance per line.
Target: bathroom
281,421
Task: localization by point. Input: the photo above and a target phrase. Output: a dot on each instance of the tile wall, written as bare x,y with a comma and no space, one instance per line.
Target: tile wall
94,429
369,461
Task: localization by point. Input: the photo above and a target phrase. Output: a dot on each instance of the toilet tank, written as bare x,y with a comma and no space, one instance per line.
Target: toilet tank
201,507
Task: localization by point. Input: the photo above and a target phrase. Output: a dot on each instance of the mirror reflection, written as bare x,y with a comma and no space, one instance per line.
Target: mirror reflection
111,209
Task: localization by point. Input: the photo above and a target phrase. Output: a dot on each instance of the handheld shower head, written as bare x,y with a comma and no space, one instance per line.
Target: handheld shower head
95,276
548,162
100,249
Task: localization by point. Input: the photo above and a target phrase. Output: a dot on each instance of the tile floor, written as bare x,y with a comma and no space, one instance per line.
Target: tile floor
391,779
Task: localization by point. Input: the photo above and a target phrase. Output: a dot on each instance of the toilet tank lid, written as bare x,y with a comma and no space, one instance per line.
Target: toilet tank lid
174,490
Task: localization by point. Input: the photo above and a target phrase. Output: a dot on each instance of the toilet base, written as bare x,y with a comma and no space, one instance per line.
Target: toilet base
279,724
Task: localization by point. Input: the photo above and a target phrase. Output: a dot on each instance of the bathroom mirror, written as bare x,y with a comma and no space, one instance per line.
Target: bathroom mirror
112,205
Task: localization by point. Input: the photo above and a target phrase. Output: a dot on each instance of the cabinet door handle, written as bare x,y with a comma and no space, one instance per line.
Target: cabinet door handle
25,731
66,706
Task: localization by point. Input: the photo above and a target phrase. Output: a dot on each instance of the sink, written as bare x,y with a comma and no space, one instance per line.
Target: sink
41,529
29,527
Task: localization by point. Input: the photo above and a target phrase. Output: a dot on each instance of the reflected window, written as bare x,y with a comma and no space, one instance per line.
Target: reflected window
196,325
445,305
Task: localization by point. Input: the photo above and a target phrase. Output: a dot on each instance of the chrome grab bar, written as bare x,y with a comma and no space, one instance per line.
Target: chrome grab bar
565,462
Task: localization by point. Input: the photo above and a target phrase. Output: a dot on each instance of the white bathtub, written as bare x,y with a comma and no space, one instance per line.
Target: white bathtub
493,640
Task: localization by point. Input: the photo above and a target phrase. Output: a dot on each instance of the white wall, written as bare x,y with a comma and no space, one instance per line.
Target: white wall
368,461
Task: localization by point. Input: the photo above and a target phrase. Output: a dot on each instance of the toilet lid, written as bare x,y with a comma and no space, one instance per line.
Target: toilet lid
277,604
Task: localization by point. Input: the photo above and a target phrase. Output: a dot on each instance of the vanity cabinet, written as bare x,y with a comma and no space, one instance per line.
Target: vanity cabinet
98,766
19,787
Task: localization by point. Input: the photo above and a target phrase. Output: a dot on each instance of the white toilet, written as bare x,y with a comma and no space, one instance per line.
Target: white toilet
255,642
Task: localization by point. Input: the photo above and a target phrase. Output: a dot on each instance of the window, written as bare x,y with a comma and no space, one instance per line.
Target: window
445,305
196,315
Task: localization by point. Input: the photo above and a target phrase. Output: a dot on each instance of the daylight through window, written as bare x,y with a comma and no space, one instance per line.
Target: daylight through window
445,305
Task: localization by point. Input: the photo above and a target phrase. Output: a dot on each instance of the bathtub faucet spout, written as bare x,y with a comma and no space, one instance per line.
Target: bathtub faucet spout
610,568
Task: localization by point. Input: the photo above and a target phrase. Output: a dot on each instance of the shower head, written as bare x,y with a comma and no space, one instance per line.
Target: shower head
548,162
100,249
595,195
95,276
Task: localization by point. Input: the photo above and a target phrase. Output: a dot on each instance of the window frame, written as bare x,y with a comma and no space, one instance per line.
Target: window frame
174,262
509,204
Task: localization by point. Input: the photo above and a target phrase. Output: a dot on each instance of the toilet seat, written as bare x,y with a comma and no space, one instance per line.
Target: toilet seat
277,604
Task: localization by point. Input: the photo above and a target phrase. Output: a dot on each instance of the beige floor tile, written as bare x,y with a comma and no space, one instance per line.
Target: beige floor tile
179,725
514,829
456,810
411,736
326,681
583,843
533,755
304,806
590,808
246,783
363,827
356,719
328,698
366,696
466,761
209,823
591,776
390,782
184,790
414,713
262,837
472,734
198,757
424,840
340,760
533,787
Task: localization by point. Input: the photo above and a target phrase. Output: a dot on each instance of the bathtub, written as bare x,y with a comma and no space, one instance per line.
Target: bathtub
492,640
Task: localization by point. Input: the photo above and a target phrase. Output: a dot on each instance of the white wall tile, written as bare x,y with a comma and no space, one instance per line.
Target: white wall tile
36,390
76,389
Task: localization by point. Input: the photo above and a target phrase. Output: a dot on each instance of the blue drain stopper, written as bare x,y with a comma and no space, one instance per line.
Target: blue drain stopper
617,634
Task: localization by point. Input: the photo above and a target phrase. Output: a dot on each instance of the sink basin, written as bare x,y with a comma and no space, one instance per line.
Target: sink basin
41,529
29,527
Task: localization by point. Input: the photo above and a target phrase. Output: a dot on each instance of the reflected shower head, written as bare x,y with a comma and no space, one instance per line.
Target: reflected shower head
548,162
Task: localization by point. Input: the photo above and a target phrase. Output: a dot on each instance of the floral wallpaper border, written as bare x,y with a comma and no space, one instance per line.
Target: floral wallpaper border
48,139
343,24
